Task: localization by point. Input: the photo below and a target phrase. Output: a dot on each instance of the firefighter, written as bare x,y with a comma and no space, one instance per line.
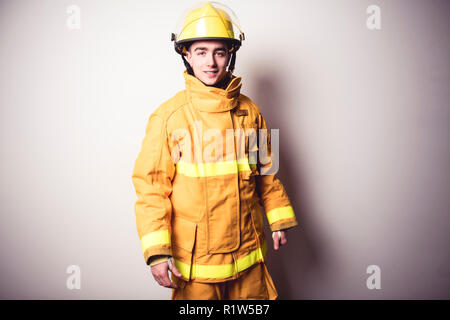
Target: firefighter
200,178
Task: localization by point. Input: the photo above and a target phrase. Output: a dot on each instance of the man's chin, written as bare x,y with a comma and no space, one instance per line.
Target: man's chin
211,81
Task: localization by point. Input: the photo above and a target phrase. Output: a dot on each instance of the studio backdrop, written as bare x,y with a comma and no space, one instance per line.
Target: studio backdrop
359,91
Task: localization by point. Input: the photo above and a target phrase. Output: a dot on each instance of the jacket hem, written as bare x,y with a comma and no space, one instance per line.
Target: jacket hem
220,273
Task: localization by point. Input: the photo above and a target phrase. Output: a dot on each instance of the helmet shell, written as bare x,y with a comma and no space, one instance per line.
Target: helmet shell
208,21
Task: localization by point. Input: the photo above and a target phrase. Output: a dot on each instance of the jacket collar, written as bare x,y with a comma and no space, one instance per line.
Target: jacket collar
212,99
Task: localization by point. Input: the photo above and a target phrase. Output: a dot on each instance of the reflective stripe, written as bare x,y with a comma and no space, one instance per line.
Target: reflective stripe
209,169
221,271
155,238
277,214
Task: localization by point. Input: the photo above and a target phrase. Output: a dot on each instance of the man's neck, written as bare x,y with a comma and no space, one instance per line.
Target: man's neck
222,84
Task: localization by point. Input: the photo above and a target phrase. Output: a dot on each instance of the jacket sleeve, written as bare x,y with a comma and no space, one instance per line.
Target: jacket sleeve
152,178
272,194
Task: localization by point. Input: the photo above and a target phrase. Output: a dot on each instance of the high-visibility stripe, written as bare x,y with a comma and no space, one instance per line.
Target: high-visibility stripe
209,169
277,214
221,271
155,238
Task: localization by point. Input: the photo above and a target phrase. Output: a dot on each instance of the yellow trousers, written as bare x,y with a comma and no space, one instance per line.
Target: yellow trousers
255,283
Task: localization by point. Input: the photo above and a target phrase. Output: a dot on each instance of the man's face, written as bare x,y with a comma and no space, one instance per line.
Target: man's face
209,60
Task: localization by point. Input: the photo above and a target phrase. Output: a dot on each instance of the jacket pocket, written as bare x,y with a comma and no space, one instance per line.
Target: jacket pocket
223,214
183,233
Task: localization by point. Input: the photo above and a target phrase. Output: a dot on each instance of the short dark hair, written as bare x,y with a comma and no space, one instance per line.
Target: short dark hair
189,44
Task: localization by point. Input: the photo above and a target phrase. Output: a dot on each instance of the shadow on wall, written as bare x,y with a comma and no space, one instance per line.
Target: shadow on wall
301,262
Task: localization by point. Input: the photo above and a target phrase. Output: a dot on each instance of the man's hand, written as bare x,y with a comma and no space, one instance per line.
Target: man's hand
279,238
161,274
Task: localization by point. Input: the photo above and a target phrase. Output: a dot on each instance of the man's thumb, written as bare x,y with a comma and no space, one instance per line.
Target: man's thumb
173,268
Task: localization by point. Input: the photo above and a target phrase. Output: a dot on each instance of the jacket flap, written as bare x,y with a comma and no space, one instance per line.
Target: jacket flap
183,233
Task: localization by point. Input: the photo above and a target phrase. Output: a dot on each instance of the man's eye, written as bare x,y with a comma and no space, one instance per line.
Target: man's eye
221,54
201,53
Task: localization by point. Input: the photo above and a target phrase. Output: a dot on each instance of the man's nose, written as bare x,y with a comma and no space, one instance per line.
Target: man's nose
211,60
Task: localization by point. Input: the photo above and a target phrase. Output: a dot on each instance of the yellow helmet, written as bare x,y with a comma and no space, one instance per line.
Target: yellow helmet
207,21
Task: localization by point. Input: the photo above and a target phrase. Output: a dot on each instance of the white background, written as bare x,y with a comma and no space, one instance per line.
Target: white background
364,126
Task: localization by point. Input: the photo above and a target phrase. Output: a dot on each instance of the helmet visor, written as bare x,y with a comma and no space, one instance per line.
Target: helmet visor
208,20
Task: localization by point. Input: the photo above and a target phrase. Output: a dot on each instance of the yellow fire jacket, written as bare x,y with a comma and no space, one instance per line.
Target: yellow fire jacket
199,195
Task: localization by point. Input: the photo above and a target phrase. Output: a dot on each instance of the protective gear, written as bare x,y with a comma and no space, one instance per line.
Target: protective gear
205,213
254,284
208,21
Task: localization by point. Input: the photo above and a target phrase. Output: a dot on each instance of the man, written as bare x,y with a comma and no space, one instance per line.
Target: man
199,189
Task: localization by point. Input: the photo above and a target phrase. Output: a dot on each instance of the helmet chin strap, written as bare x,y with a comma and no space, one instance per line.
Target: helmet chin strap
187,65
224,82
233,61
